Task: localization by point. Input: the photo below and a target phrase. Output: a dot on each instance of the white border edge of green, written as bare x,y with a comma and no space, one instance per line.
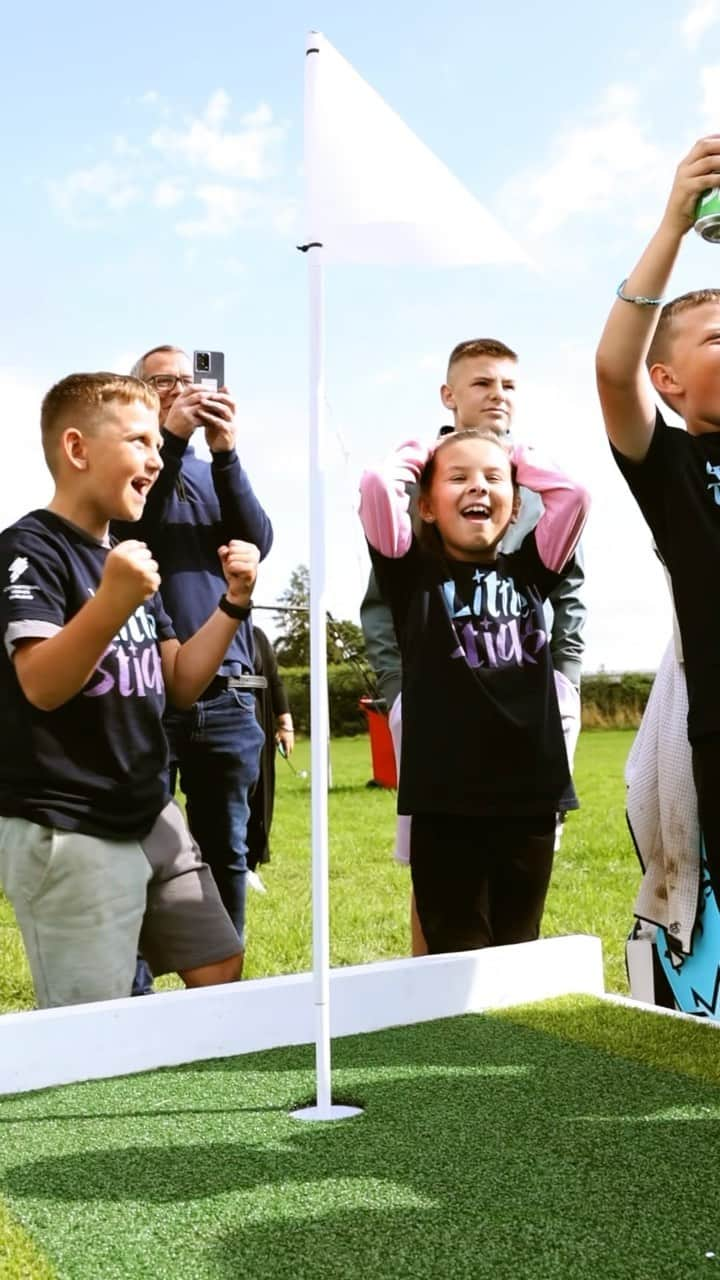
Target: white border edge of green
645,1007
119,1037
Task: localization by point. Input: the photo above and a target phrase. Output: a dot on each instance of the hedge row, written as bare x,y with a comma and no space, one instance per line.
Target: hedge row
608,701
612,701
346,687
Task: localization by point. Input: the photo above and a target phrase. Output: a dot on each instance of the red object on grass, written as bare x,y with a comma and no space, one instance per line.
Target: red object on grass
381,745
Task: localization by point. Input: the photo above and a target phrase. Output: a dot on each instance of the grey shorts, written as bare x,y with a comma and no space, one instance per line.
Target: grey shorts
86,905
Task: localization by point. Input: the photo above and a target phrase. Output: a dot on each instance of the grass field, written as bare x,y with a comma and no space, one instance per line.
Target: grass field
566,1140
593,888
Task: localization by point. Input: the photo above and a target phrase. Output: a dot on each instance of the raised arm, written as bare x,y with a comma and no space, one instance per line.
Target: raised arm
242,516
565,502
51,671
189,668
384,501
623,383
243,519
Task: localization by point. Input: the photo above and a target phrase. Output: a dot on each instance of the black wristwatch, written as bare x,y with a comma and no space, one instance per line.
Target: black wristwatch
240,612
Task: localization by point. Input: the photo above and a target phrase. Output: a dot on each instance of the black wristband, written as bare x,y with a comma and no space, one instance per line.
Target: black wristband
240,612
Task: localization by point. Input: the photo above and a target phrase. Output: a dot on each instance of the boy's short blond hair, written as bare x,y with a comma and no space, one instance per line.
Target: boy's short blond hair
661,344
81,399
472,348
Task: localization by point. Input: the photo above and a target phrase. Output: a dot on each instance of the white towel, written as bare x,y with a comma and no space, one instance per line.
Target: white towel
662,806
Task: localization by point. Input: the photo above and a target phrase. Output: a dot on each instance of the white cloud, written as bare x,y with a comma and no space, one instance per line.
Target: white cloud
285,219
405,371
629,618
150,98
218,108
246,153
26,483
121,361
233,266
710,104
702,15
104,187
225,209
219,161
606,162
167,194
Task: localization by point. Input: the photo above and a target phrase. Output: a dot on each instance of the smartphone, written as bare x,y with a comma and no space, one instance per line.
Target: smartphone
209,369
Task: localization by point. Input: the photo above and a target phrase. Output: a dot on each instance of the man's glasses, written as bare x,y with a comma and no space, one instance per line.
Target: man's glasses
169,381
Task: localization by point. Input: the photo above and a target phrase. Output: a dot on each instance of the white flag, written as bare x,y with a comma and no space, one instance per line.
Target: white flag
375,192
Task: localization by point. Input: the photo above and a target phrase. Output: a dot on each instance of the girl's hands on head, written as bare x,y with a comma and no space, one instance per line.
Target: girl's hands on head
410,459
518,454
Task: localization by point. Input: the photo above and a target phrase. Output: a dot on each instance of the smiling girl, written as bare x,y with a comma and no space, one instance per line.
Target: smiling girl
484,767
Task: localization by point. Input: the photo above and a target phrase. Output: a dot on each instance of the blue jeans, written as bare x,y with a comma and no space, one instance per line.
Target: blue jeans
215,747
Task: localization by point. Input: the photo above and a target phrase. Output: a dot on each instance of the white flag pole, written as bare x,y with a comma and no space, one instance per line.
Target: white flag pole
374,193
319,708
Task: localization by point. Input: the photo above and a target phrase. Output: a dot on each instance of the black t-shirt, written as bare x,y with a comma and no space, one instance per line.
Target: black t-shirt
677,487
481,725
97,763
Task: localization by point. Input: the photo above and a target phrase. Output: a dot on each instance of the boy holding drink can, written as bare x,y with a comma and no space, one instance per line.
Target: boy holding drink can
674,350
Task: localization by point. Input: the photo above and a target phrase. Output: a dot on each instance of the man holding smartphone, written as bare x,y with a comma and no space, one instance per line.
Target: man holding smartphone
194,508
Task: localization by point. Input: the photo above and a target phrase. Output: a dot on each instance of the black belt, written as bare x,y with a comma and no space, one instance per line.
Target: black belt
221,683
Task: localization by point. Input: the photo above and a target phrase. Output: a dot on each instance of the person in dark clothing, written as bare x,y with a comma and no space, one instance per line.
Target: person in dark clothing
94,854
484,768
479,392
650,350
273,712
194,508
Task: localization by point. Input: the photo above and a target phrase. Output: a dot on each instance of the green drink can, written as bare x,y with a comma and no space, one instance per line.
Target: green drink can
707,215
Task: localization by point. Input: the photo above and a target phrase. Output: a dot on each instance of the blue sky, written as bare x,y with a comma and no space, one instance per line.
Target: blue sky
153,191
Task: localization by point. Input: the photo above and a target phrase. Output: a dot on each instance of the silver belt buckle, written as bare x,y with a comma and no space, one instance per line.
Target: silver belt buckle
247,682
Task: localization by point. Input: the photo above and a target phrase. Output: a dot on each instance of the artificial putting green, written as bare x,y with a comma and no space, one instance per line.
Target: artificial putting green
553,1141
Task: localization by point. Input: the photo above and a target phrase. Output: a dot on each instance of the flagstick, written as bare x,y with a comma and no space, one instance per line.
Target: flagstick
319,710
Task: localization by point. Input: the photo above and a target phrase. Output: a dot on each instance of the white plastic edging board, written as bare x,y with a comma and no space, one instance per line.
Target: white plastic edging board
119,1037
644,1006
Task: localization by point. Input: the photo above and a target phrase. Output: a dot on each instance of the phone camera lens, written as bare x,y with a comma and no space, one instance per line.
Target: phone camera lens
203,361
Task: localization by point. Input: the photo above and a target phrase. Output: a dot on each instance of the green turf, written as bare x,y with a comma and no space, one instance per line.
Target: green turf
656,1041
491,1146
20,1259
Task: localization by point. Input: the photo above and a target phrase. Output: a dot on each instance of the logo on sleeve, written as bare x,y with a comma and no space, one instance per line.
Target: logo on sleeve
18,567
21,591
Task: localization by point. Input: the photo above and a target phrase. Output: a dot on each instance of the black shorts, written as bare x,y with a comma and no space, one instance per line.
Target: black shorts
478,881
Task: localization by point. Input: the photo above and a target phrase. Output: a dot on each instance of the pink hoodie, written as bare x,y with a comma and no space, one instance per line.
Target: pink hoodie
385,504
